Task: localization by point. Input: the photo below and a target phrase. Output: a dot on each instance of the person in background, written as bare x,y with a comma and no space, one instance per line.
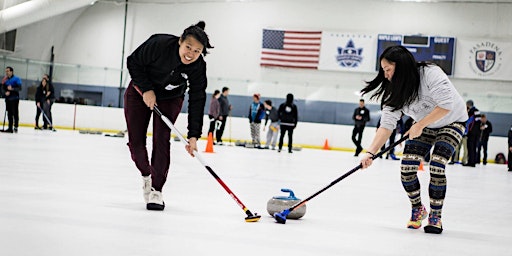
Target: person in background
288,115
214,111
509,158
423,92
399,129
256,113
473,133
45,95
11,87
485,128
361,116
162,69
463,145
225,108
273,128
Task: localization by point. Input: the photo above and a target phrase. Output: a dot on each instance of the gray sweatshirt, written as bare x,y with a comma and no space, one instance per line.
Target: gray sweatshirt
435,90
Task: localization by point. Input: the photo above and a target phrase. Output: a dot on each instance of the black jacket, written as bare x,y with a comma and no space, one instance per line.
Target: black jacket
271,114
156,64
41,93
510,137
364,112
474,116
224,105
484,134
288,113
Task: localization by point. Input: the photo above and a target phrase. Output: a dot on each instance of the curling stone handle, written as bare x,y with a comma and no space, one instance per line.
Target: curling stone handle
292,195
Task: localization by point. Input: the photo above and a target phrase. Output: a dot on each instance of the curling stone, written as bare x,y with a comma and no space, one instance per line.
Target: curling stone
281,203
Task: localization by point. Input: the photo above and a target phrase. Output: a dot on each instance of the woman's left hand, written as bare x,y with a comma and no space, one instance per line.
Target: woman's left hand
415,131
192,146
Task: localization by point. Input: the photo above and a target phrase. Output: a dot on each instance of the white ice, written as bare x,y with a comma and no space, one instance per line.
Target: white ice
65,193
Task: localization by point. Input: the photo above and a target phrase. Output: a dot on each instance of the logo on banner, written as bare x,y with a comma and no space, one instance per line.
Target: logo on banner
486,58
350,56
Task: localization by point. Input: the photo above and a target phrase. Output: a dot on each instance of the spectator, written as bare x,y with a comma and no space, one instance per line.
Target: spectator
45,96
256,113
485,127
399,129
509,159
361,116
288,118
464,145
225,108
273,128
11,87
214,111
473,133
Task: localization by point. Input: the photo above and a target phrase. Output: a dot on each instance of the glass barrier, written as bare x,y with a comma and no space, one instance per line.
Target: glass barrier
104,84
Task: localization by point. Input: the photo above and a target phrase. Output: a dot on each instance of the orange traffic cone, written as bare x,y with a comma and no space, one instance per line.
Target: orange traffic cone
421,166
326,145
209,144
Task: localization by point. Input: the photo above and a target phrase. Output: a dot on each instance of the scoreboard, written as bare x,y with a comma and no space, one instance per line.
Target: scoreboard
437,49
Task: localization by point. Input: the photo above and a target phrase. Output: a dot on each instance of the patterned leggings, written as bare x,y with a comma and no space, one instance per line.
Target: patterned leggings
444,140
255,133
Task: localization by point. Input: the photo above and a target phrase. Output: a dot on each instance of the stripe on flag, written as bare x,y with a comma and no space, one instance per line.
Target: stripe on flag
291,49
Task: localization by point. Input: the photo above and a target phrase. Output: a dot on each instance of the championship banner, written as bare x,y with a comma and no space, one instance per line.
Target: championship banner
488,59
347,52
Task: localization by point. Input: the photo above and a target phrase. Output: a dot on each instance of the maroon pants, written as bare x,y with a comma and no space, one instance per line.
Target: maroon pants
137,116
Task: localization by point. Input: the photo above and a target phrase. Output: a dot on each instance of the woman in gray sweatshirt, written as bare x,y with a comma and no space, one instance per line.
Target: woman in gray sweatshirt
423,92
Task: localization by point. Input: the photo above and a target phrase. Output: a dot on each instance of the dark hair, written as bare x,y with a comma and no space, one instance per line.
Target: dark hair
405,84
47,83
197,31
361,100
268,102
10,69
224,89
289,99
216,92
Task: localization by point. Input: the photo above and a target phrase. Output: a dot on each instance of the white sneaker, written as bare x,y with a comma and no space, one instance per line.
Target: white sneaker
146,187
156,201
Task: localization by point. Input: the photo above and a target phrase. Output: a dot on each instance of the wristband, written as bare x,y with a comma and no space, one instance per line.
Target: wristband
373,155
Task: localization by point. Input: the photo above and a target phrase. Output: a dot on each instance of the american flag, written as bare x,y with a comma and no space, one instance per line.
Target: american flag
292,49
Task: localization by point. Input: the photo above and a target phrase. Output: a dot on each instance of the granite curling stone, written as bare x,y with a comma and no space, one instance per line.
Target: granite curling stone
281,203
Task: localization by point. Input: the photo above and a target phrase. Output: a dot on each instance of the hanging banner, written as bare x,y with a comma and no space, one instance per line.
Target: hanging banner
488,59
347,52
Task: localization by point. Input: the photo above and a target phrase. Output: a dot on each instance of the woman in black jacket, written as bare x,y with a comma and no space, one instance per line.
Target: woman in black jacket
45,95
162,69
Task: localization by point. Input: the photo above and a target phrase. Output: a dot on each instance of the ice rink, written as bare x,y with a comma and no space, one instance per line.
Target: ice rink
66,193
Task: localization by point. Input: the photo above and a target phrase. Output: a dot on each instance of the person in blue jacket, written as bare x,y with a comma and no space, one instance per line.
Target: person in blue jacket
11,87
256,113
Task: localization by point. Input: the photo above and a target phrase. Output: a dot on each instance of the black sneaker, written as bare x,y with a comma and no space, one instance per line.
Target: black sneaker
15,130
8,131
434,225
37,128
